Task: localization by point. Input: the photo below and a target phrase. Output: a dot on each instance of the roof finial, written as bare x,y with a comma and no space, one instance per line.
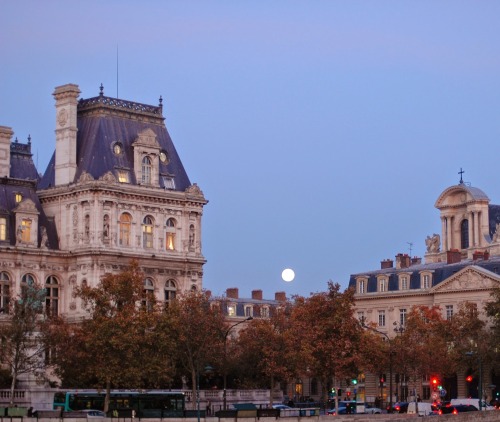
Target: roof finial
29,139
101,89
461,172
16,141
161,101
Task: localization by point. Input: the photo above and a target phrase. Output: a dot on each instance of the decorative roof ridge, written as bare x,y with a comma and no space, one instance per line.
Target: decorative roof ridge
118,105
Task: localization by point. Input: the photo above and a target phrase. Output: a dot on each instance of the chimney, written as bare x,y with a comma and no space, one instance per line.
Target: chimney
232,293
386,263
208,294
416,260
257,294
280,296
402,261
453,256
5,139
66,97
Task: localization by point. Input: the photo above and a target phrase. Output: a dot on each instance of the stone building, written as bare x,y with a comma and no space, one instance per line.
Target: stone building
461,264
114,190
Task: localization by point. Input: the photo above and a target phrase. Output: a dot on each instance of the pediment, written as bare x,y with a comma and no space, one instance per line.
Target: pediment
469,278
26,206
147,138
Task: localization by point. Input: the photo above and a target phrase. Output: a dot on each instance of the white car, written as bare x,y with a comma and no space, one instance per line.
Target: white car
372,409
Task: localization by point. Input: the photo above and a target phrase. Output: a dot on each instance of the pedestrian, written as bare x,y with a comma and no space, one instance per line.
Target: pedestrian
209,410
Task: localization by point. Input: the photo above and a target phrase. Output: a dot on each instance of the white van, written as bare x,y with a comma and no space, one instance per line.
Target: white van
424,409
473,402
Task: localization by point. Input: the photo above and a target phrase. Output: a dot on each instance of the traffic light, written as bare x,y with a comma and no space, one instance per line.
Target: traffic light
333,392
348,394
469,378
354,381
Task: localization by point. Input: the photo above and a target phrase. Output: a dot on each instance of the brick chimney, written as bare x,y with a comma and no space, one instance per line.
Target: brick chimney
5,138
386,263
416,260
402,261
453,256
232,293
257,294
280,296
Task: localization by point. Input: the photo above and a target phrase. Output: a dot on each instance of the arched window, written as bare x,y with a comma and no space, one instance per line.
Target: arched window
146,170
147,232
28,280
125,229
170,235
51,296
4,292
170,291
149,292
464,232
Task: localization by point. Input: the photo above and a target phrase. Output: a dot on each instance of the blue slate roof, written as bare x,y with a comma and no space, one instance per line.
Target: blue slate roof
103,121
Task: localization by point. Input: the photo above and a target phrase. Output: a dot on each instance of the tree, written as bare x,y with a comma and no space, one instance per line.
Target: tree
194,326
493,312
21,349
117,345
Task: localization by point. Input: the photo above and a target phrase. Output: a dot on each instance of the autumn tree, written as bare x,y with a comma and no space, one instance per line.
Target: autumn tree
266,351
22,351
195,327
117,346
327,335
493,312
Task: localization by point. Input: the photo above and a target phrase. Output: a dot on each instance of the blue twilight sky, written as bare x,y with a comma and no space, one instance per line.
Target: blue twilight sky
321,132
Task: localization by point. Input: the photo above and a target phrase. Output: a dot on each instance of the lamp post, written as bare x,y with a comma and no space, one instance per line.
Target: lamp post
362,321
226,334
480,387
208,370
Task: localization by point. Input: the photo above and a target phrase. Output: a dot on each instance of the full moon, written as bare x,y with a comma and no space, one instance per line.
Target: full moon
287,275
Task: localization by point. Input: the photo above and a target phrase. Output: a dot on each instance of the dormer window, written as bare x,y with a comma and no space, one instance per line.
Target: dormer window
425,281
404,282
168,182
18,197
361,286
382,285
146,170
231,310
123,176
3,228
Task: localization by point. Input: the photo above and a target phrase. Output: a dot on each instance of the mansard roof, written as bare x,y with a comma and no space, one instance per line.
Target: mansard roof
102,122
441,271
21,162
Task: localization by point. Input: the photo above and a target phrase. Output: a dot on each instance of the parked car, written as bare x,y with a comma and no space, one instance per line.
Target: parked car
455,409
344,408
372,409
473,402
281,406
92,413
398,407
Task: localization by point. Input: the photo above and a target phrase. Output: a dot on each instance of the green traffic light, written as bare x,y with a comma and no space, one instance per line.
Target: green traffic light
354,381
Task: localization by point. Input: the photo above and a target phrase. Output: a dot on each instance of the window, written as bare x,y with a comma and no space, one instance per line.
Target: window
248,311
26,230
149,292
146,170
231,310
3,228
168,182
4,292
170,291
117,148
402,317
361,286
123,176
426,392
147,232
170,235
404,283
382,285
361,316
18,197
264,312
51,296
381,318
426,281
449,312
125,228
464,232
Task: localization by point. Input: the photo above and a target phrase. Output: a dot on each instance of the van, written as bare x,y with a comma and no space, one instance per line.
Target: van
473,402
424,409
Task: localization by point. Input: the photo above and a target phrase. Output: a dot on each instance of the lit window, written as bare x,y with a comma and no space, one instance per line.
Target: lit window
361,286
382,285
170,235
18,197
4,292
146,170
381,318
51,296
3,228
231,310
149,291
168,182
123,176
125,228
449,312
147,232
170,291
26,230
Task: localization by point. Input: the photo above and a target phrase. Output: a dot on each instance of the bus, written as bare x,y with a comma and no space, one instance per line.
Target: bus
124,403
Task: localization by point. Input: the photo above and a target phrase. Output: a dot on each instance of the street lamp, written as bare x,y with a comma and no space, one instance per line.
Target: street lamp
362,321
480,387
226,334
208,370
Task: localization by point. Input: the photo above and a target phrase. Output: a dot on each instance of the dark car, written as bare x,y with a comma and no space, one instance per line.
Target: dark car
455,409
345,408
398,407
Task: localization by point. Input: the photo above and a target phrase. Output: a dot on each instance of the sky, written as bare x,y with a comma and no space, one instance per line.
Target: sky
321,132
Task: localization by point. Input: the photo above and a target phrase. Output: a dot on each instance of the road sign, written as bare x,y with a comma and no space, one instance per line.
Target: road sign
442,392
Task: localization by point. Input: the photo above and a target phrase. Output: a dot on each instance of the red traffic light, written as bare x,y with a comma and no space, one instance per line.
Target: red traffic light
434,381
469,378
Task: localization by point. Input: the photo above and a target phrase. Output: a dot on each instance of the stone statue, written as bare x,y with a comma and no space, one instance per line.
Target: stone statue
432,243
496,235
45,239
